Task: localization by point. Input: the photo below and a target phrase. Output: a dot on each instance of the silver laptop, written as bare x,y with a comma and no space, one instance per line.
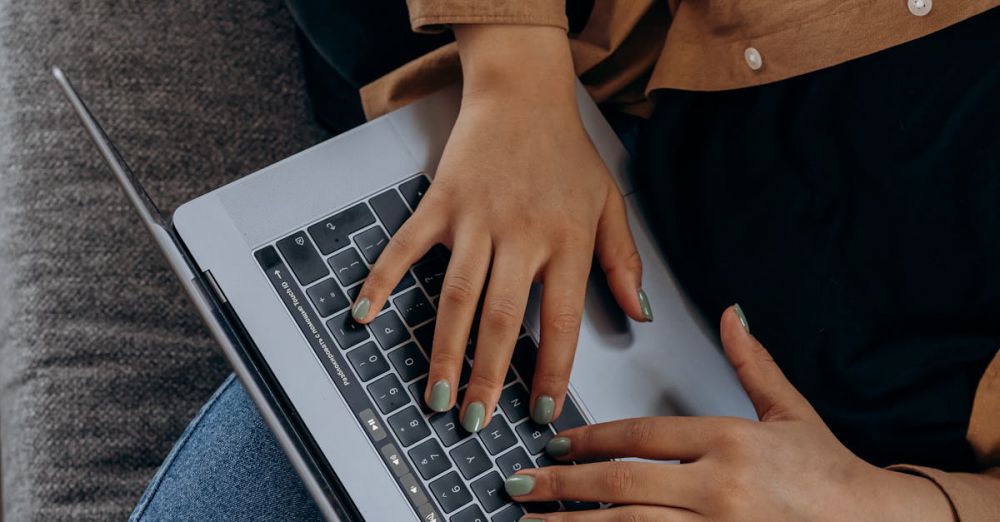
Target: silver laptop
273,261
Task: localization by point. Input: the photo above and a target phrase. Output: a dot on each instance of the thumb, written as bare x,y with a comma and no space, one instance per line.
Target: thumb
619,258
772,395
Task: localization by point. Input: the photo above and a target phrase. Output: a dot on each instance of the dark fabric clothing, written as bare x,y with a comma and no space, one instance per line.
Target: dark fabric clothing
854,213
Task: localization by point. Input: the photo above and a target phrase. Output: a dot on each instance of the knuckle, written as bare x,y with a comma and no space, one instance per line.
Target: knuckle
445,359
735,437
619,478
732,497
458,289
555,483
485,381
641,433
631,516
565,320
501,312
550,382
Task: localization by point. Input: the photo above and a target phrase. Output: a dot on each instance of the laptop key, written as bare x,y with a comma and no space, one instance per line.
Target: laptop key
523,359
541,507
535,436
497,436
469,514
428,513
389,330
414,307
513,461
302,258
409,361
514,402
413,191
425,336
404,283
430,274
412,488
346,330
367,361
388,393
448,427
417,391
511,513
409,426
579,505
348,267
470,458
450,492
371,242
569,418
327,297
429,459
395,461
545,460
490,491
390,209
331,234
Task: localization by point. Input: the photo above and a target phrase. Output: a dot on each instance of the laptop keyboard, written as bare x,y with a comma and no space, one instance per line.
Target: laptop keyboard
381,369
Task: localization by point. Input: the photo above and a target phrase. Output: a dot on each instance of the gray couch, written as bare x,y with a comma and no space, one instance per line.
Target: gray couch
102,362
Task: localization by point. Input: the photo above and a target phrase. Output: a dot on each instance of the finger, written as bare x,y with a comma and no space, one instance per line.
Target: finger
417,235
503,311
772,395
564,289
620,260
660,438
460,291
620,514
673,485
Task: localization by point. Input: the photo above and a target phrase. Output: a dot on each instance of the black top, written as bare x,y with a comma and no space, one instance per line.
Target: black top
854,213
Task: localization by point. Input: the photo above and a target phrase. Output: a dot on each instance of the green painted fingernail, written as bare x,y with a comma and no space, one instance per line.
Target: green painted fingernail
545,406
440,396
557,446
517,485
475,414
742,316
647,311
530,519
360,309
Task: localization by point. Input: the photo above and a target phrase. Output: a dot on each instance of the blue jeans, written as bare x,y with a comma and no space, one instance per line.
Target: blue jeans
226,466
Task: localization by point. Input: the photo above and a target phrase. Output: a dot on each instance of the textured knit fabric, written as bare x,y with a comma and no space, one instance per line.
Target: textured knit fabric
102,359
628,48
227,466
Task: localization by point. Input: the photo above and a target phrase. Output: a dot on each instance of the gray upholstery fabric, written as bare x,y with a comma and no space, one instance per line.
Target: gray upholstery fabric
102,362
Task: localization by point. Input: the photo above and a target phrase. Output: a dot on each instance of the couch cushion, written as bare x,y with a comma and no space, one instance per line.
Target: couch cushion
102,362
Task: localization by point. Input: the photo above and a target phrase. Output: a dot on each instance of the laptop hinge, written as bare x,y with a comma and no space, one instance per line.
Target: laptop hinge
216,289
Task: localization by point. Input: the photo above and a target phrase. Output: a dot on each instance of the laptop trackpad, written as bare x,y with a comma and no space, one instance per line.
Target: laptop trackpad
671,366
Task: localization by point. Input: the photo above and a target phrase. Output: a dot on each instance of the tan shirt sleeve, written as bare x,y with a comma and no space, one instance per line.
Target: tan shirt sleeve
975,497
434,15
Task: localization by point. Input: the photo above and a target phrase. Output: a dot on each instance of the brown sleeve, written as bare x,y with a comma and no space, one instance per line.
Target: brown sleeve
434,15
975,497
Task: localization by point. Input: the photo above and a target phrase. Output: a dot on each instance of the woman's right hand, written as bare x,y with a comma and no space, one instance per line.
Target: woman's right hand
520,195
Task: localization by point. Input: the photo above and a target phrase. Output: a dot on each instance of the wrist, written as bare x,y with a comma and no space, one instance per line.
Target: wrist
904,497
516,63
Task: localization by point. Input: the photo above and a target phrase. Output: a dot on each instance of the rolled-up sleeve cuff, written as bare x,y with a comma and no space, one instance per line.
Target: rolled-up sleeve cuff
428,16
974,497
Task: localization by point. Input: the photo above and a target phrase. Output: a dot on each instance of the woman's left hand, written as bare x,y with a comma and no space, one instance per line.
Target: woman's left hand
787,466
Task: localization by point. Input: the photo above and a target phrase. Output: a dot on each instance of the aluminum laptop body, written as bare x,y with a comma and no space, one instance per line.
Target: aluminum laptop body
227,249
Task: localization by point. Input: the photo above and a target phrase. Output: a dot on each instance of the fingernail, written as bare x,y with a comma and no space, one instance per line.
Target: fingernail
647,311
742,316
517,485
440,396
475,413
544,407
530,519
360,309
557,446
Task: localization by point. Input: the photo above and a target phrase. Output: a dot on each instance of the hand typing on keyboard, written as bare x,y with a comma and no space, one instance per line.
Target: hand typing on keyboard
520,196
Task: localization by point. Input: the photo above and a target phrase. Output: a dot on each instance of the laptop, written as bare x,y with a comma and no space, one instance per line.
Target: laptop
273,261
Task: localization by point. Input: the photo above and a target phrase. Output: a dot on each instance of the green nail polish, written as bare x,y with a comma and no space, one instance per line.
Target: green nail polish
360,309
647,311
440,396
530,519
517,485
475,414
545,406
742,316
557,446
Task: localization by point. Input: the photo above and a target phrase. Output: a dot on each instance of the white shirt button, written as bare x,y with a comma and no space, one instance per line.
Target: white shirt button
752,56
920,7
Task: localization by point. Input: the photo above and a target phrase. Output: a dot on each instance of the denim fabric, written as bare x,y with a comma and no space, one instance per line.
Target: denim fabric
226,466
